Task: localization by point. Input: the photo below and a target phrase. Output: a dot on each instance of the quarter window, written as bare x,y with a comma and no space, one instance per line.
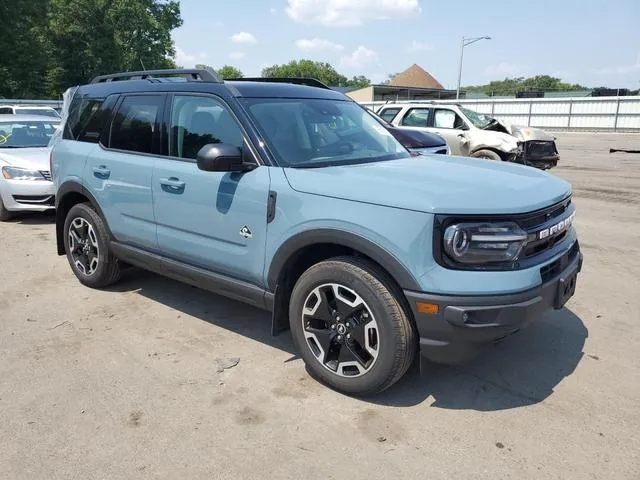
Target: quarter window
199,121
134,123
417,117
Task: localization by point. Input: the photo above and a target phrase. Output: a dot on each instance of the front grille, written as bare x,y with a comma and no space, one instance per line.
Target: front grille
46,174
552,270
540,148
540,217
442,152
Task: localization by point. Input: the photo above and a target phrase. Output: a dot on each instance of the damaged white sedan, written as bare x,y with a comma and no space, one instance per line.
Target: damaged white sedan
472,134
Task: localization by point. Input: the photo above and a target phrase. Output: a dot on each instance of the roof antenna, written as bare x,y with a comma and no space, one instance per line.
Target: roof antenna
141,63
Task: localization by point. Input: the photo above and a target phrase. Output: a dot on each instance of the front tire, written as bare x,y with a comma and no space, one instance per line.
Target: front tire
86,243
351,327
487,154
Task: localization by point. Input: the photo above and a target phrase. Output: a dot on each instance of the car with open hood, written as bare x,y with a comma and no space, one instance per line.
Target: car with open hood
291,197
25,183
473,134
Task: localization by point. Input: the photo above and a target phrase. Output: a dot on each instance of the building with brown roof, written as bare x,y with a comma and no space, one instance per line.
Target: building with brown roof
414,83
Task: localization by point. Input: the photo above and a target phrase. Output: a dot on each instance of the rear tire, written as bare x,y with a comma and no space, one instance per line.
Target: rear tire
5,215
86,243
350,326
487,154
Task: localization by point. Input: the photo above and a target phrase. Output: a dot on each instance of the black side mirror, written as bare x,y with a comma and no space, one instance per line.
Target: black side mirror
222,157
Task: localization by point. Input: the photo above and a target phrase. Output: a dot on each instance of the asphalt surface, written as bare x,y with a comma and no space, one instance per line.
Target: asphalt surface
153,379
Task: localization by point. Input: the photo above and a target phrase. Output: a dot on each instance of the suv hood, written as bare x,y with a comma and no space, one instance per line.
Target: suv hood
33,158
438,184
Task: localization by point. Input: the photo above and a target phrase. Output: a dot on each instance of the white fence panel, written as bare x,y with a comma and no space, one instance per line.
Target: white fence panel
588,113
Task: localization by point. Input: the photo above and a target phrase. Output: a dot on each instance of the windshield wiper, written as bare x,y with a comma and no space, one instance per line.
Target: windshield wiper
11,146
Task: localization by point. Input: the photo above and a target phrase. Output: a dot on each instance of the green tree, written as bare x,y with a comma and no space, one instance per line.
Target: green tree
321,71
91,37
24,50
510,86
359,81
228,71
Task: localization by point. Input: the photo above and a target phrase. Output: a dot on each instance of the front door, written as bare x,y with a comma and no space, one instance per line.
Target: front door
452,127
213,220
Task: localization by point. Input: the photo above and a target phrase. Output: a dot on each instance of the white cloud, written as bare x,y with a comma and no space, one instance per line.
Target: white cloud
417,46
360,58
188,59
273,10
317,45
237,55
506,69
620,69
243,37
342,13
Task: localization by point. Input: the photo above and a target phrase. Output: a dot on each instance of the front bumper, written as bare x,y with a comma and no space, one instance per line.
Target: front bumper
23,195
462,324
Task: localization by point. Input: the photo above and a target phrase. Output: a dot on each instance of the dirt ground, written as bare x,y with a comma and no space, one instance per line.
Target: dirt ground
131,382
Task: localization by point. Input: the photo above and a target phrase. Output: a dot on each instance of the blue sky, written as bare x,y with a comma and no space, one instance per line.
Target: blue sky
590,42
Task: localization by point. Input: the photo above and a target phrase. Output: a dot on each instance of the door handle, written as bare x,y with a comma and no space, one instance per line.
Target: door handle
172,185
101,172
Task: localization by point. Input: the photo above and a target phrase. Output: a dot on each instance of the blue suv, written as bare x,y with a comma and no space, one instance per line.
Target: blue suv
287,195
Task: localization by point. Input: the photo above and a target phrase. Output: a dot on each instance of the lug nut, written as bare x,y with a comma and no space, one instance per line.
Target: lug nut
348,324
333,327
338,318
339,338
348,335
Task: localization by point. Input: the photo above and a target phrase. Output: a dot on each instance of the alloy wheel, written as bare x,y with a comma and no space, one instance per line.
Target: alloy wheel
340,330
83,246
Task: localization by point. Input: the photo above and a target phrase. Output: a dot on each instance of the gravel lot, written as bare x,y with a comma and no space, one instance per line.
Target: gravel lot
126,383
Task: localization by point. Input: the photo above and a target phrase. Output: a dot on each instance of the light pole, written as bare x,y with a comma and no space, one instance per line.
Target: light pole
464,43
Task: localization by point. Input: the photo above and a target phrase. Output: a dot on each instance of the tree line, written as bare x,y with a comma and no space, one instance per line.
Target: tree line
49,45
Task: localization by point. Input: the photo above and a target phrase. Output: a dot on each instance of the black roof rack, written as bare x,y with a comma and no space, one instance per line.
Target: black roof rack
190,74
309,82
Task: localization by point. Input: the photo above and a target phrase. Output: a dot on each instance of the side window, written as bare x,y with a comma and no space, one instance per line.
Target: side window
417,117
134,124
84,126
198,121
389,114
448,119
5,110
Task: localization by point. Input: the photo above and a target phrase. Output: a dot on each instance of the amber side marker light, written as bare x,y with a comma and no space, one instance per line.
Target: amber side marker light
428,308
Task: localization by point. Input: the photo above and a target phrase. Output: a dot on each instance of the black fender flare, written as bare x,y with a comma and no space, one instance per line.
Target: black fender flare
71,186
375,252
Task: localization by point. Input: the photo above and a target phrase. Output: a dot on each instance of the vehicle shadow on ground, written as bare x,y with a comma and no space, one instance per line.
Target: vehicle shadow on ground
222,312
35,218
523,370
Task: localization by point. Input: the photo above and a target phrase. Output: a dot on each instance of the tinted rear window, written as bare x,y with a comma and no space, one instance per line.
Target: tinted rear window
134,123
83,122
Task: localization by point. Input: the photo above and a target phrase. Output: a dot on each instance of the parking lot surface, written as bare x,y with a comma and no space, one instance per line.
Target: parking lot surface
156,379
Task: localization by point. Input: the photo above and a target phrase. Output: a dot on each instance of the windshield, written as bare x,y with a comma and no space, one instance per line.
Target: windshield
45,112
32,133
478,119
307,133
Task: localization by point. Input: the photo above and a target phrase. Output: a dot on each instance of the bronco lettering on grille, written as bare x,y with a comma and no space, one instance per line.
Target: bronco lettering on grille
557,228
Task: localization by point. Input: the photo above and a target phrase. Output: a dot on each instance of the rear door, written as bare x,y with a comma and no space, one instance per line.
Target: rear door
118,172
417,118
212,220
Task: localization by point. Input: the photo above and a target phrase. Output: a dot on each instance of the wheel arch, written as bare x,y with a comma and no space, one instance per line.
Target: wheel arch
501,153
307,248
71,193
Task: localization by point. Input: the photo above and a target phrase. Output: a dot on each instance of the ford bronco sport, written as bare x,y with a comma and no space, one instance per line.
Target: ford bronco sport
291,197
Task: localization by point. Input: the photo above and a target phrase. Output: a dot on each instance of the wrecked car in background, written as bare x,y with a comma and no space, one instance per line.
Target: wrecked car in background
473,134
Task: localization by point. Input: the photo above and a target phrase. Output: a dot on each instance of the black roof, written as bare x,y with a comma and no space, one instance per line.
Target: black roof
248,89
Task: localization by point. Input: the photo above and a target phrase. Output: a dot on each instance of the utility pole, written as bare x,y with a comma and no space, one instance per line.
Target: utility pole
465,42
